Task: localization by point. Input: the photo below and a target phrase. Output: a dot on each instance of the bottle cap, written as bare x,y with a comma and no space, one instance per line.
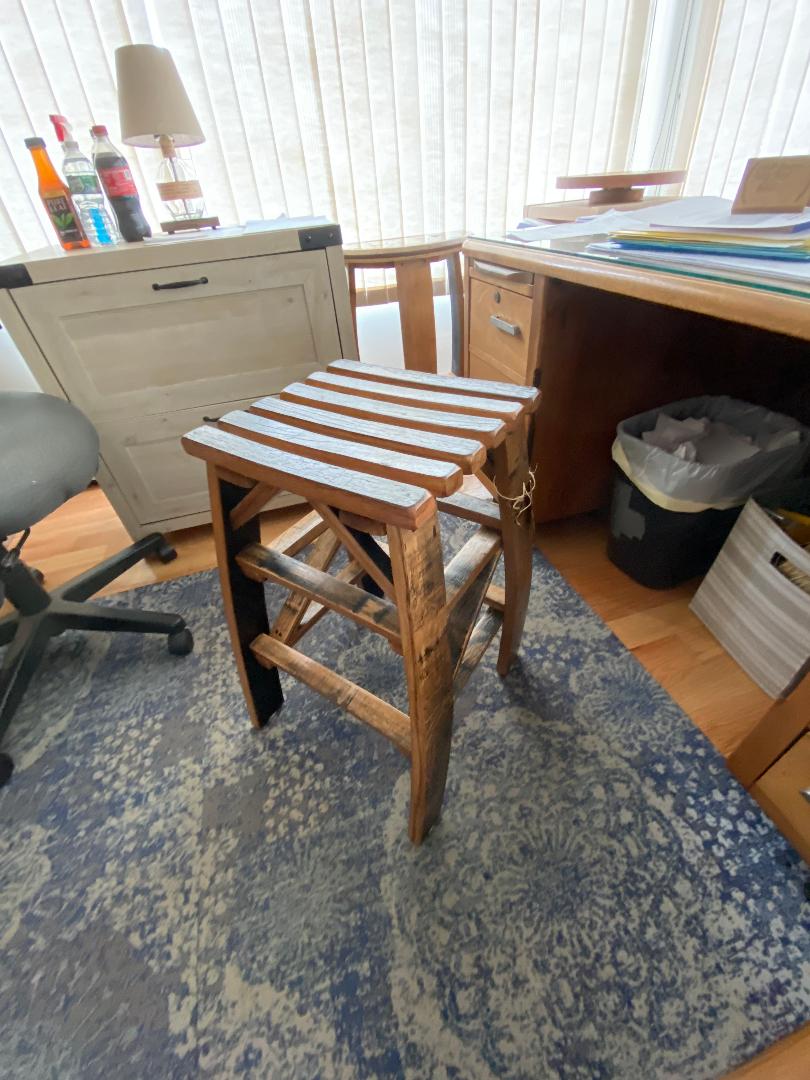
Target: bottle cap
34,143
98,129
61,126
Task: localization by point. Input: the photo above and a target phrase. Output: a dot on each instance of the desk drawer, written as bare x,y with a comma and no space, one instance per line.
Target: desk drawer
499,327
779,793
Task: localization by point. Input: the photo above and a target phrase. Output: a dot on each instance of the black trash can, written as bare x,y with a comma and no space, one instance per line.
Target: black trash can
671,513
662,548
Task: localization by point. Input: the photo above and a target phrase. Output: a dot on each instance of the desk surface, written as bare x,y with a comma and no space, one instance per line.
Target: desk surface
770,310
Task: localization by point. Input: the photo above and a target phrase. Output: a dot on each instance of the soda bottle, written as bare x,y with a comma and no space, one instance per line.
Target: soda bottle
85,190
116,179
56,198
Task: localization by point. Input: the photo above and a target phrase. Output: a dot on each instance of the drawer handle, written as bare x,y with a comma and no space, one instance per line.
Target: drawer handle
506,272
211,419
503,325
180,284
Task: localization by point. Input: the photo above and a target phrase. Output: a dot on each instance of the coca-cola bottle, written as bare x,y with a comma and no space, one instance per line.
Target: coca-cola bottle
119,187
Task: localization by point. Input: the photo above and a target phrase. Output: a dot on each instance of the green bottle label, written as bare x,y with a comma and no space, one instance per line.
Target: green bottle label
83,184
64,222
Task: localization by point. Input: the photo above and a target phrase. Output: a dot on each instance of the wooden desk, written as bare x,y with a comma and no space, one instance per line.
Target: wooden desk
608,341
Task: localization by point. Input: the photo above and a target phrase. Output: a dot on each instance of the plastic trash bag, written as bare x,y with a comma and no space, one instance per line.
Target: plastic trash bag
674,483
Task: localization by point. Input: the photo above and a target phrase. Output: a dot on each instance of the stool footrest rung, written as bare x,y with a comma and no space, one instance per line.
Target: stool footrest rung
375,712
463,569
483,632
471,508
374,612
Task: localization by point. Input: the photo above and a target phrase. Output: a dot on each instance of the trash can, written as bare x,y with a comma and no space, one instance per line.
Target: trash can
671,512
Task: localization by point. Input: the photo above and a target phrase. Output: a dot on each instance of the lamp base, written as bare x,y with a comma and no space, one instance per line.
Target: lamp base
190,224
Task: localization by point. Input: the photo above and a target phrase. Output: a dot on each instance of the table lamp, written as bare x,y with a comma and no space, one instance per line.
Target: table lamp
154,110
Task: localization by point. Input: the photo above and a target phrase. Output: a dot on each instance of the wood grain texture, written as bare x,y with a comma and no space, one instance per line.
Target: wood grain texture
440,477
373,612
354,548
416,316
464,567
511,474
477,644
501,408
779,792
243,602
351,573
527,396
372,496
508,351
739,303
785,1060
300,534
466,453
288,620
471,508
485,429
416,559
252,504
783,723
463,617
375,712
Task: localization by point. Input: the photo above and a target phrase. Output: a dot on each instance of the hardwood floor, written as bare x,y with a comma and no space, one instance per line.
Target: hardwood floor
656,626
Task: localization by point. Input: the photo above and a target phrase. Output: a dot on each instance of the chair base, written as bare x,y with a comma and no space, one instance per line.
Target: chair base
41,615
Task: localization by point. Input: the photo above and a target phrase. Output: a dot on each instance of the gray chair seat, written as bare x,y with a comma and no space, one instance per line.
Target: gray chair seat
48,454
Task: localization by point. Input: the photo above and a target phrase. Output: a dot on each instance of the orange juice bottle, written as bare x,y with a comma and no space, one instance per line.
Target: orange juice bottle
56,197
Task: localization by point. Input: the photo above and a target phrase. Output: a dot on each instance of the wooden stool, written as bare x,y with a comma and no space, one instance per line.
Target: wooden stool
411,257
376,451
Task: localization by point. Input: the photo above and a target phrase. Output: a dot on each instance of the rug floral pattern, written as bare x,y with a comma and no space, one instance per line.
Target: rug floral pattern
181,896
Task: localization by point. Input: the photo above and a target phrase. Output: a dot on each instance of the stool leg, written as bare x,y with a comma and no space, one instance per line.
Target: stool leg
511,472
418,575
243,599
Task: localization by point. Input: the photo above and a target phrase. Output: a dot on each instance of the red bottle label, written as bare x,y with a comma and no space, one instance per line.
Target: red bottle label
64,221
118,181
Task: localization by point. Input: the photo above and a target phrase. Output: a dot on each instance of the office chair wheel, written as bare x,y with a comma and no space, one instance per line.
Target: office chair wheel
6,769
181,642
166,553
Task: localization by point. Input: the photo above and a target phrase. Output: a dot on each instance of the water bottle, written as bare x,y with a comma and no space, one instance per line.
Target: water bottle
85,190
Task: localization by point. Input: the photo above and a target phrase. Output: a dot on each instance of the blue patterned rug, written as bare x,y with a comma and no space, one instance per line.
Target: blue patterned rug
181,896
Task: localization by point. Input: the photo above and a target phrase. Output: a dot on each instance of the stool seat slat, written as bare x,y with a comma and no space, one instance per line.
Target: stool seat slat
528,396
508,411
440,477
486,429
468,454
372,496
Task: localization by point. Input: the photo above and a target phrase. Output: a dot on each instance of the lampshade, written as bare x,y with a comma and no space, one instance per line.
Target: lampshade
152,100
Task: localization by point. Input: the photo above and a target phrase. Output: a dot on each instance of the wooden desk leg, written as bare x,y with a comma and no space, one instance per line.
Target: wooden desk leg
416,560
455,284
353,303
243,600
773,735
415,296
511,472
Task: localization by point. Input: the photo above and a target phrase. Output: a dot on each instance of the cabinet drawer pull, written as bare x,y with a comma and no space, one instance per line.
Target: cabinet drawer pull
506,327
523,277
211,419
180,284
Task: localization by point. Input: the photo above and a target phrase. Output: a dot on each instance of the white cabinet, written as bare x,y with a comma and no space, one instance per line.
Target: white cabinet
148,352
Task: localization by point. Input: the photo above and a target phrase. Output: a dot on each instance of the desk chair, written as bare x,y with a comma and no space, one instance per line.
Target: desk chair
48,454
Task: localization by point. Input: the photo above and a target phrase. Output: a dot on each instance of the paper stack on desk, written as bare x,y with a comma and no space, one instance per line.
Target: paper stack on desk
704,233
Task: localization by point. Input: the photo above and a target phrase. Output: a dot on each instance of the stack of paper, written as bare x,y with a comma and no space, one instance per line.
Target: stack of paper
703,233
